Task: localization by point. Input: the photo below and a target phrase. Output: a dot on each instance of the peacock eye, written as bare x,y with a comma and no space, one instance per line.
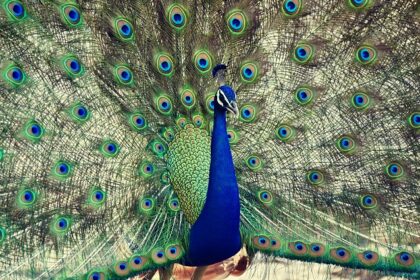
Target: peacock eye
405,259
358,4
285,133
174,252
254,163
72,66
164,64
368,258
123,29
109,149
71,15
62,170
315,177
146,169
303,53
158,256
137,122
346,144
173,204
121,268
15,76
137,262
27,198
360,101
414,120
291,8
164,105
248,113
79,113
316,249
304,96
261,242
298,248
366,55
158,148
233,136
249,72
340,254
123,75
33,131
237,22
203,61
368,201
97,197
198,120
147,205
177,16
394,170
265,197
181,121
61,225
188,98
97,275
15,9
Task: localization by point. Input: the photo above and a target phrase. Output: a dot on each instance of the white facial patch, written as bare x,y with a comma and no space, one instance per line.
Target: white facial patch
221,93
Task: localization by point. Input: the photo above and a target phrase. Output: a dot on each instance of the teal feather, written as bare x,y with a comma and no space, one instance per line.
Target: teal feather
107,114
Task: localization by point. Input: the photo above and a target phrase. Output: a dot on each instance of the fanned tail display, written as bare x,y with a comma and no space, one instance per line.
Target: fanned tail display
120,152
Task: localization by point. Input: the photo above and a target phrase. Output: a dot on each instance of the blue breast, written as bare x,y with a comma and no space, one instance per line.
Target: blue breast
215,236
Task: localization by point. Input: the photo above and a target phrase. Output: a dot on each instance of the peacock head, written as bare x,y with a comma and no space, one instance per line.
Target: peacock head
225,96
226,100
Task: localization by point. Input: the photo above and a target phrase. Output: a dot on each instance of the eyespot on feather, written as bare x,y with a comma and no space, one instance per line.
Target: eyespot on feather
366,55
303,53
71,15
261,242
298,248
405,259
15,10
138,262
164,63
316,249
158,256
237,22
368,258
341,255
174,252
291,8
177,16
147,205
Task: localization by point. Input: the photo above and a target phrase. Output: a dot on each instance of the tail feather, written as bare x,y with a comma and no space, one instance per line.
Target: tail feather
93,94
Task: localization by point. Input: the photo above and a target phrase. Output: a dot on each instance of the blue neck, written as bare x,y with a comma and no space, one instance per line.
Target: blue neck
215,235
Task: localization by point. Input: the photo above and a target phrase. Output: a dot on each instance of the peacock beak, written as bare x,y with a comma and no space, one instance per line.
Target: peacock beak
233,108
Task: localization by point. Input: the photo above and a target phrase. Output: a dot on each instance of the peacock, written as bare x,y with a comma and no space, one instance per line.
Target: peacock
141,136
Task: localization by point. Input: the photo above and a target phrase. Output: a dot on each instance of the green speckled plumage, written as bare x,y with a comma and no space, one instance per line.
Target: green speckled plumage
106,114
188,162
